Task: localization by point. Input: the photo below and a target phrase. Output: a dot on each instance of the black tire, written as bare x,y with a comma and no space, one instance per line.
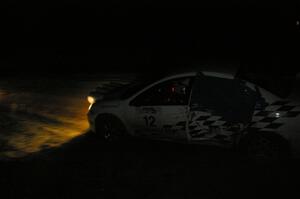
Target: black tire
110,128
264,148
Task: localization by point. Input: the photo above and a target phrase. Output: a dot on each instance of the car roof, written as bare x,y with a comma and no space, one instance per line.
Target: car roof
205,72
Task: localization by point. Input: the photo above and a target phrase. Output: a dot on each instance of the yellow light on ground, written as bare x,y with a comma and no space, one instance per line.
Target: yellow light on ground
35,136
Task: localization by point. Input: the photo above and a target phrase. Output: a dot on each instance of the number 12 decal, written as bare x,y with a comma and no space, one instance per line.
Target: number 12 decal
150,120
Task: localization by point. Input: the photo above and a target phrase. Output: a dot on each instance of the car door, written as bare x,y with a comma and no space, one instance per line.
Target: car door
220,109
161,112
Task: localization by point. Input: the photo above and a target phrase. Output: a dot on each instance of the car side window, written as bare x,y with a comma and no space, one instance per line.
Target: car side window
171,92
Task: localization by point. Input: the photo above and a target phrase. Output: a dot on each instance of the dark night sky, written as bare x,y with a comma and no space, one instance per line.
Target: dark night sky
136,36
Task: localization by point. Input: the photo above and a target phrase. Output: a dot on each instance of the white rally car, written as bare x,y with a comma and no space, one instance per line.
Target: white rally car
200,107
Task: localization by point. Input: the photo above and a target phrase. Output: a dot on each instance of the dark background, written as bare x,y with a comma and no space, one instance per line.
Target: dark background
129,36
121,36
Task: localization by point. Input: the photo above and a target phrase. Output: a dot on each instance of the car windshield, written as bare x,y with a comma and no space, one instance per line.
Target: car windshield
137,85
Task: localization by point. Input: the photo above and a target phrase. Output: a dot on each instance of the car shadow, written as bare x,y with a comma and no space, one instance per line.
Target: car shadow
89,167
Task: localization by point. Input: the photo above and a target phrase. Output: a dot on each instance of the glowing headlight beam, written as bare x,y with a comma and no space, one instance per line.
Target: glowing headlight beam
91,99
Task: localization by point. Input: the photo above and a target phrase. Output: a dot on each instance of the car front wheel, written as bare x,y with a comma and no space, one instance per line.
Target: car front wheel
110,128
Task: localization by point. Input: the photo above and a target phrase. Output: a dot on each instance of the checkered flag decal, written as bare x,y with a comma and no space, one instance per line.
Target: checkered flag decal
270,117
267,119
200,123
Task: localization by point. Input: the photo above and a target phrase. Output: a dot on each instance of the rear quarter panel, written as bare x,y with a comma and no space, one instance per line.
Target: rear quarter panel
281,116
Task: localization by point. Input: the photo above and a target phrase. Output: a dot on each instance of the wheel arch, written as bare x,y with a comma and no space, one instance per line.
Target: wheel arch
282,141
111,116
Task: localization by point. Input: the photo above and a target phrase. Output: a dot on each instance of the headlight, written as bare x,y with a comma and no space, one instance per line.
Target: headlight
91,100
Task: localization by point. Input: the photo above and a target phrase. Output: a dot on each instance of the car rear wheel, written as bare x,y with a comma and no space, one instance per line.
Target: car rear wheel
264,148
110,128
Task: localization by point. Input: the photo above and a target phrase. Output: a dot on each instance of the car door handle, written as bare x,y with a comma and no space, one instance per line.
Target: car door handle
149,110
200,108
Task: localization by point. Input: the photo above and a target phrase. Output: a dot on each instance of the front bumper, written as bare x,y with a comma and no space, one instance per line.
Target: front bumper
91,119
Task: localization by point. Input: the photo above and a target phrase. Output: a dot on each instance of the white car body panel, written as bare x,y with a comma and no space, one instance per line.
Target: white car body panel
280,116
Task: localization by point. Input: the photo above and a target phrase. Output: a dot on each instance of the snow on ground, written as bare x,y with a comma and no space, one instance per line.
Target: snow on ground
43,113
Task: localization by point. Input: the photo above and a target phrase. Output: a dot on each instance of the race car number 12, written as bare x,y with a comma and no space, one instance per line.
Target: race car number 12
150,120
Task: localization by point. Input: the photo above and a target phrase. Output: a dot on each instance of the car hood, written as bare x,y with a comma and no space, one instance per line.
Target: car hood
110,91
